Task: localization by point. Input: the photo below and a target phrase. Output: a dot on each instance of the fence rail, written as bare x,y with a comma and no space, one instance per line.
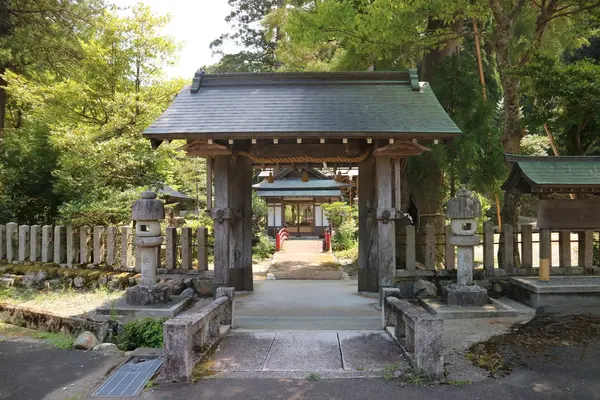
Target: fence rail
109,246
418,253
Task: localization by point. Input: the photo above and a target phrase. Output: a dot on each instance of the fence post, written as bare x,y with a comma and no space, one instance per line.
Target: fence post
72,248
111,245
11,241
508,244
126,246
24,244
411,248
99,248
586,249
34,241
488,247
186,248
59,245
564,248
201,238
84,245
2,242
47,247
171,247
527,246
450,250
429,247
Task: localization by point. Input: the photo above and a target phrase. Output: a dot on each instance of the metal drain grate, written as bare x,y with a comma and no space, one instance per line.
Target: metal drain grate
130,379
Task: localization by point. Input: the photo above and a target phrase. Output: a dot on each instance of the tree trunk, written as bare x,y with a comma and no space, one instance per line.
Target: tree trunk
426,180
3,100
511,139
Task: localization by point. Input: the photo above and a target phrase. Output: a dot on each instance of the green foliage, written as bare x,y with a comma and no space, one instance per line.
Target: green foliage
535,145
259,52
345,236
259,214
338,211
565,96
145,332
58,340
313,377
264,248
74,153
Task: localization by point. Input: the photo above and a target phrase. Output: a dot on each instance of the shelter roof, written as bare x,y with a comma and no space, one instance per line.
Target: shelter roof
330,104
168,191
298,185
531,174
298,193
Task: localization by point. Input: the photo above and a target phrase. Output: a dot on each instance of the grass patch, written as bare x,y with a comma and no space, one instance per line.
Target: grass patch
58,340
390,372
202,371
313,377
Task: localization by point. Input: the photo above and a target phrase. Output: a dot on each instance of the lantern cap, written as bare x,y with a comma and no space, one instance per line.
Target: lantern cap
463,206
148,208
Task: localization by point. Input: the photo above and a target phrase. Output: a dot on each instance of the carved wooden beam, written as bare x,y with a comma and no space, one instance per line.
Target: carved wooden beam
401,148
202,148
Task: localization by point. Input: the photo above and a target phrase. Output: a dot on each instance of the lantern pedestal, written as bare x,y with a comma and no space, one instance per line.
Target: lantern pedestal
148,295
465,295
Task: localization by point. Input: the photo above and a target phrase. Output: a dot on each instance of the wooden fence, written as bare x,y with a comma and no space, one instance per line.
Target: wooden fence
569,250
110,246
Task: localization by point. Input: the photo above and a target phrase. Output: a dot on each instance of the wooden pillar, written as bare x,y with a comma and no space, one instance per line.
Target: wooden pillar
508,244
564,248
221,213
240,256
245,194
526,246
545,249
488,248
209,183
368,280
386,213
586,249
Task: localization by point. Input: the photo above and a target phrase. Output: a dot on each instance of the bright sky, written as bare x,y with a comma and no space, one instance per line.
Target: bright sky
194,23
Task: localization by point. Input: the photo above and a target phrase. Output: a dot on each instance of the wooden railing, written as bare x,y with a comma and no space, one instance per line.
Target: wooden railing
571,252
109,246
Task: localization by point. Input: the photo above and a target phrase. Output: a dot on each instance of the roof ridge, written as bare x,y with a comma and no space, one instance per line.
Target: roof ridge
202,79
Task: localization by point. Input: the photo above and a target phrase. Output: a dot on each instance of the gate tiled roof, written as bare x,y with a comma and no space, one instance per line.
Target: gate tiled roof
326,104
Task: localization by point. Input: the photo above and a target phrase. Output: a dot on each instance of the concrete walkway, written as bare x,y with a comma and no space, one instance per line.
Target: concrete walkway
302,305
297,354
305,259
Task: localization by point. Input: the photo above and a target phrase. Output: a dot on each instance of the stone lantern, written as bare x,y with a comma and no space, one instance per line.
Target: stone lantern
462,210
148,212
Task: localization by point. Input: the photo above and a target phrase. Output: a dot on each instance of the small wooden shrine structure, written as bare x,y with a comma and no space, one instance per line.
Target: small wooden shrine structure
575,176
241,121
294,200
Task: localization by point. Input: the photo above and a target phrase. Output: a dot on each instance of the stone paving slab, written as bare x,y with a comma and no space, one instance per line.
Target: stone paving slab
304,351
243,351
367,350
298,353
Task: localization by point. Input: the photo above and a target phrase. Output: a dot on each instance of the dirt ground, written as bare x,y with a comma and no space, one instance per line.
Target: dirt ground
305,259
538,341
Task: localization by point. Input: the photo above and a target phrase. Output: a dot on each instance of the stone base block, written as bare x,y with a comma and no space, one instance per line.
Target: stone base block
148,295
465,295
